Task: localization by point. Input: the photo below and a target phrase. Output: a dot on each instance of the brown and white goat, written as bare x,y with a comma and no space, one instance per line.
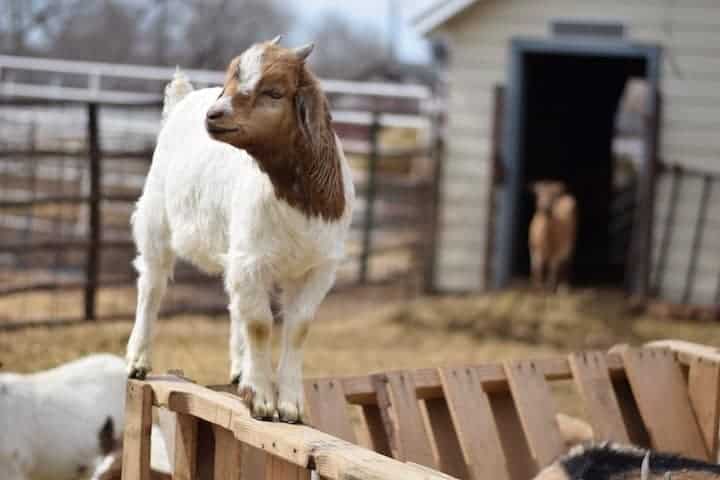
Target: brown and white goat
552,234
249,181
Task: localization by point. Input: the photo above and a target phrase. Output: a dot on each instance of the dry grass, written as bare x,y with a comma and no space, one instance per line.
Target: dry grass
373,329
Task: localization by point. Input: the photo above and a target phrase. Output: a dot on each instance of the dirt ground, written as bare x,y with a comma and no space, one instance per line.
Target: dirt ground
363,330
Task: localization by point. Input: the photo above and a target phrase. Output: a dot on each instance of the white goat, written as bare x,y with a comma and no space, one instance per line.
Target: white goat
55,424
249,180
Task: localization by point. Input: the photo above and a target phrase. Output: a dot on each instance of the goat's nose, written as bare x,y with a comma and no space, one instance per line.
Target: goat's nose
215,113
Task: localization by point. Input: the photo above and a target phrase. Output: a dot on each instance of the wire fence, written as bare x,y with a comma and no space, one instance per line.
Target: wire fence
70,173
687,260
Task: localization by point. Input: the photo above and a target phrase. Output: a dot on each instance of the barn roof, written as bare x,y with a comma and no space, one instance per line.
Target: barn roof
439,12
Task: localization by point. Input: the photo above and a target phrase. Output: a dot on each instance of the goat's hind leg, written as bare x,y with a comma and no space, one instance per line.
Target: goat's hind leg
154,265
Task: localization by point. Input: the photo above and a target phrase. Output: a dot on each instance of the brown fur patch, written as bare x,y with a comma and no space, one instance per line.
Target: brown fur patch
258,332
285,125
299,335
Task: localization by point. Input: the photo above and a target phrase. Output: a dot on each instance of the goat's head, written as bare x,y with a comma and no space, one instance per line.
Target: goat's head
268,100
546,191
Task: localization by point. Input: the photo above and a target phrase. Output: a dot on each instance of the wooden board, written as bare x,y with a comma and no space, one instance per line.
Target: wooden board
446,447
661,393
474,423
228,455
327,408
520,463
704,391
590,372
536,409
185,463
253,463
401,414
278,469
379,441
136,438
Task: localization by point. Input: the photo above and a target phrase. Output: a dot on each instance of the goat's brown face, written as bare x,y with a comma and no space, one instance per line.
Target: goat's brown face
546,192
257,108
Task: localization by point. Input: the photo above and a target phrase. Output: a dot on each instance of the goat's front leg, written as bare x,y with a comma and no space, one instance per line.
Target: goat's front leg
251,329
301,299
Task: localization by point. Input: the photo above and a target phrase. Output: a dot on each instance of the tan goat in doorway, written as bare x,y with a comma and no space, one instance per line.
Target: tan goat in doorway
552,234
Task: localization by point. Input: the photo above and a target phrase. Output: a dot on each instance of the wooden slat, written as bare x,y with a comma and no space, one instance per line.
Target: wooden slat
185,462
704,391
327,408
631,415
228,455
659,387
138,424
521,466
474,423
536,409
379,441
409,440
361,391
446,447
205,451
253,463
279,469
590,372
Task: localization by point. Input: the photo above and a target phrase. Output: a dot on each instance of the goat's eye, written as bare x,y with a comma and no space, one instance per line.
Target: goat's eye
274,94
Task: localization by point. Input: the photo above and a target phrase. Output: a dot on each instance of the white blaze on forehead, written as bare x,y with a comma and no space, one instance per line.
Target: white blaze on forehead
250,68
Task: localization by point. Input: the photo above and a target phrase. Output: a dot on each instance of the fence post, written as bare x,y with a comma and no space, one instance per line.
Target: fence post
92,265
437,153
370,190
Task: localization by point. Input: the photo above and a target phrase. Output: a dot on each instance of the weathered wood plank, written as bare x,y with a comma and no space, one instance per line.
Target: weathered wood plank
590,372
409,440
474,423
228,455
379,441
326,408
446,447
279,469
521,465
185,462
659,387
536,409
138,425
704,391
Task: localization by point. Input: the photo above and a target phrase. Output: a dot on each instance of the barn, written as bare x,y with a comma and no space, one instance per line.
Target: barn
620,99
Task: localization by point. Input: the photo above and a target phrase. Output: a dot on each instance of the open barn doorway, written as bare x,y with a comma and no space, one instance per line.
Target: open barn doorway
563,101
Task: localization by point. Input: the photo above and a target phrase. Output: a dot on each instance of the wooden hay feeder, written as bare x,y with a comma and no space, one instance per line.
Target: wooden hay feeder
491,421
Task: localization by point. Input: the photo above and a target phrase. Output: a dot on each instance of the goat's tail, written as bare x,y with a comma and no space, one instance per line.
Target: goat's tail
175,91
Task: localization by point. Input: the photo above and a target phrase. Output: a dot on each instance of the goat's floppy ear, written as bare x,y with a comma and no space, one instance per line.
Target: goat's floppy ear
312,112
302,53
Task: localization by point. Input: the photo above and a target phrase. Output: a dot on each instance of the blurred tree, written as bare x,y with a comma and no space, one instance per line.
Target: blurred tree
344,52
220,29
192,33
104,30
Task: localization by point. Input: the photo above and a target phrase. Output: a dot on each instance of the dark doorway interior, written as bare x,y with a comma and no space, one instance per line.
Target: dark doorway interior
570,109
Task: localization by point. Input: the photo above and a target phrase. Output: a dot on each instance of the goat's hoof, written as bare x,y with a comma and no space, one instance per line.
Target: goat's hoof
138,373
236,378
290,412
261,404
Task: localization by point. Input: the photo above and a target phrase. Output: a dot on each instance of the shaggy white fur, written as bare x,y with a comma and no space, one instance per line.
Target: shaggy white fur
50,422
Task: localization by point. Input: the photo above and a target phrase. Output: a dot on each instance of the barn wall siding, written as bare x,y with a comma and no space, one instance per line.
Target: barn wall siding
479,38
